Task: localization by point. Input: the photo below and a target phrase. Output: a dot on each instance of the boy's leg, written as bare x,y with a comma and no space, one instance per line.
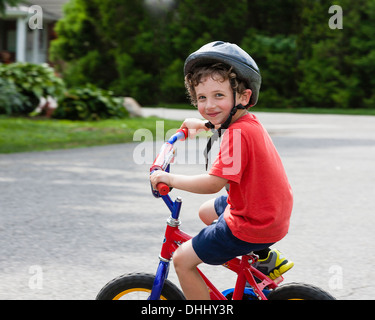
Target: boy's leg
185,261
207,212
271,262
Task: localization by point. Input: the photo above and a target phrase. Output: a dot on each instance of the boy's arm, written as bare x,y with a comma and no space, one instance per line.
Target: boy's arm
194,126
203,184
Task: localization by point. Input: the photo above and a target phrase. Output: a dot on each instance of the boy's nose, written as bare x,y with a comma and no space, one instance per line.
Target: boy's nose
210,104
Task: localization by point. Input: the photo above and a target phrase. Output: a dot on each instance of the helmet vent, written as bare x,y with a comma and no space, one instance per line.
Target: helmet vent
218,43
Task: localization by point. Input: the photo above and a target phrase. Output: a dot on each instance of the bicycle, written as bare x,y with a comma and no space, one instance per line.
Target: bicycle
251,284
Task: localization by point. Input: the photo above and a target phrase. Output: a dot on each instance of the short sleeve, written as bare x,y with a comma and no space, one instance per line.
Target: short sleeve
232,158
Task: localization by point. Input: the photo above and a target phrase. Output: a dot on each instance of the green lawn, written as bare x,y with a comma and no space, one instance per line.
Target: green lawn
28,134
18,134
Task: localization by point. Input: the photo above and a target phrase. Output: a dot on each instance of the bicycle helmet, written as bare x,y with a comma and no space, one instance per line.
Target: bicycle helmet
231,54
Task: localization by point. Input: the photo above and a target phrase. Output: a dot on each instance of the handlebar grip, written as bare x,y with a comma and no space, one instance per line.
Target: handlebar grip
185,131
163,188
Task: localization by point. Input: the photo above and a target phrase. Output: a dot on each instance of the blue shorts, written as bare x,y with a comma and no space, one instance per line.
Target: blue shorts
220,204
216,243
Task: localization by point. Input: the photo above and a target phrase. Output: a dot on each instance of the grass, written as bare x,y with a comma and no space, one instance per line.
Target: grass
30,134
33,134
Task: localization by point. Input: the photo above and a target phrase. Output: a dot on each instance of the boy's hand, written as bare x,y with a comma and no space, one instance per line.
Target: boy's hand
194,126
159,176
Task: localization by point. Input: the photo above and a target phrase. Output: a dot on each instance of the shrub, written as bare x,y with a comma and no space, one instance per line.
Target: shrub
32,81
89,103
11,101
276,57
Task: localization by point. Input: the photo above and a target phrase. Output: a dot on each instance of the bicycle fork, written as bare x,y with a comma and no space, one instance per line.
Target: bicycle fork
172,239
161,275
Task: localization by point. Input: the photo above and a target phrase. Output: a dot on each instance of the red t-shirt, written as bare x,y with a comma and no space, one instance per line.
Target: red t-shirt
260,198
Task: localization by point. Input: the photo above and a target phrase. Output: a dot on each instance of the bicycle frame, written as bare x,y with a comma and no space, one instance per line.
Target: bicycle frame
174,237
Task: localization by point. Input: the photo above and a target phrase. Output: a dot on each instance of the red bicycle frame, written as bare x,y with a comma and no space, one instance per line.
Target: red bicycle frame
174,237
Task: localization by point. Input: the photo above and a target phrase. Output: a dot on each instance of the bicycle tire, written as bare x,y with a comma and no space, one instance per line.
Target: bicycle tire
129,284
299,291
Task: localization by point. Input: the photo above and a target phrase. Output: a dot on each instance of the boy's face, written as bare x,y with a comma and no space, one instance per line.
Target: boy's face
215,99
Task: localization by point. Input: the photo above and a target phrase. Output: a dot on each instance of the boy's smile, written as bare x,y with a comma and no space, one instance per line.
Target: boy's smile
215,100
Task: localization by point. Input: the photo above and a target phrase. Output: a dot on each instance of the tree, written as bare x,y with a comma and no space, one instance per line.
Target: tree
9,2
138,47
110,44
81,46
276,57
336,64
132,37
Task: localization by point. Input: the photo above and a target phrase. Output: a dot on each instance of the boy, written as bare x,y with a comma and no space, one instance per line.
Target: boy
223,81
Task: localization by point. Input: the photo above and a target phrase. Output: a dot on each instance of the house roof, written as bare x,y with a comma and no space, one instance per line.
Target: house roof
54,7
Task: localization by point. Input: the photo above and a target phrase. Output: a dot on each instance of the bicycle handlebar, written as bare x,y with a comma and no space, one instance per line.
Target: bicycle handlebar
181,134
163,189
163,160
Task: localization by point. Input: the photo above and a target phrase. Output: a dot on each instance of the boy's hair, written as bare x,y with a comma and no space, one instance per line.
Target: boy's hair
218,72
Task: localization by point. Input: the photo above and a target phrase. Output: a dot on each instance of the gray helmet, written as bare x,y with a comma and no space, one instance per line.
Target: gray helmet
232,55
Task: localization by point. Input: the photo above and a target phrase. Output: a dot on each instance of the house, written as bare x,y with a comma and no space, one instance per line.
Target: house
26,30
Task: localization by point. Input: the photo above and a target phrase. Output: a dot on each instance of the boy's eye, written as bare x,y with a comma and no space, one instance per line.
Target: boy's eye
219,95
201,97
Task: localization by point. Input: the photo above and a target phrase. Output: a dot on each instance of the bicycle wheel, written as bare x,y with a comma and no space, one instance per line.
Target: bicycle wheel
299,291
137,286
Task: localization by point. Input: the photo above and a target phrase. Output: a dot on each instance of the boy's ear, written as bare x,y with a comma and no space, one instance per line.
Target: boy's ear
245,97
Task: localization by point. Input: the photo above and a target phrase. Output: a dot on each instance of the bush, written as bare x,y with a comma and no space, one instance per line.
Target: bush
32,81
89,103
11,101
172,86
276,57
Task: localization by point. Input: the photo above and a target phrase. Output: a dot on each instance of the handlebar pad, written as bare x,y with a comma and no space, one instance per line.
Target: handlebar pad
163,188
185,131
163,159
